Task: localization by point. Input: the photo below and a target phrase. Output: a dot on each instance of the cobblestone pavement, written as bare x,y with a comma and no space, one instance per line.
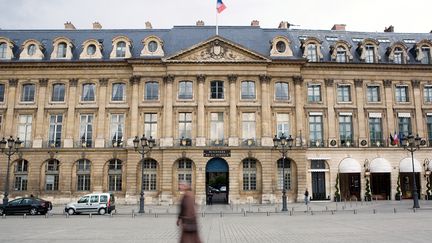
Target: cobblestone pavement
361,222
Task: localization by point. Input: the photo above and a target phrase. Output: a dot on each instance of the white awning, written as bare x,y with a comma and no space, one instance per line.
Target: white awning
406,165
349,165
380,165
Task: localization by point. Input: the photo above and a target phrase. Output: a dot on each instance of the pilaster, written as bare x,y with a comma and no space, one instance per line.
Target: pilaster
266,121
389,106
200,140
168,139
134,81
100,136
39,131
70,121
233,136
360,110
299,103
9,119
418,108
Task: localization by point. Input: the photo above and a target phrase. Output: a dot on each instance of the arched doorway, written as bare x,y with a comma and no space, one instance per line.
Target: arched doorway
406,177
349,179
380,177
217,181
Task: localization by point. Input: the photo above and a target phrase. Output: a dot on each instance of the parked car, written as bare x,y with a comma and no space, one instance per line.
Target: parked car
213,190
223,189
92,203
26,205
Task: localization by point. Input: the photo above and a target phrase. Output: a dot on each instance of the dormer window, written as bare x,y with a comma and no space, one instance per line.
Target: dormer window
3,49
368,50
280,47
312,49
62,48
32,49
426,55
312,53
153,46
6,47
92,49
340,52
369,53
397,53
398,56
121,47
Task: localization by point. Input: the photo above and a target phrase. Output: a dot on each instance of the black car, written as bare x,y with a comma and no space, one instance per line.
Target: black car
26,205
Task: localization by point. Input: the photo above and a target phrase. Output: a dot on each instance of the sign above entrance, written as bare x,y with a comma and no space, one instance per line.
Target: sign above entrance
217,153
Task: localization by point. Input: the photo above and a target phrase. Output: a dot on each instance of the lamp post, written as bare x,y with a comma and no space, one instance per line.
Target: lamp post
412,144
143,146
282,144
12,148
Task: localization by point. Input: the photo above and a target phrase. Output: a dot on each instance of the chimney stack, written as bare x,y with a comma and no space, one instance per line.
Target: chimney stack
148,25
255,23
339,27
69,26
200,23
284,25
389,29
97,26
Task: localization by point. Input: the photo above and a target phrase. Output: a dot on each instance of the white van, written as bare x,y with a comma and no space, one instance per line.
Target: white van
92,203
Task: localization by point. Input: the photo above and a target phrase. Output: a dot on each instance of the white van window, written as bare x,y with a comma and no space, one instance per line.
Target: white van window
103,199
94,199
83,199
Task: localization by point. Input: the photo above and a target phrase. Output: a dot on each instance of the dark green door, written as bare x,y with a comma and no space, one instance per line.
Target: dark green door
318,186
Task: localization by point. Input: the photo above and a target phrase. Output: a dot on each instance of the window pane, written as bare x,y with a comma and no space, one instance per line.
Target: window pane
248,90
88,92
118,91
28,93
151,91
281,91
58,92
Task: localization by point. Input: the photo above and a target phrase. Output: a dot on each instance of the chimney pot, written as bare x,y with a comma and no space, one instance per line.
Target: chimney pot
97,26
148,25
340,27
69,26
200,23
255,23
389,29
284,25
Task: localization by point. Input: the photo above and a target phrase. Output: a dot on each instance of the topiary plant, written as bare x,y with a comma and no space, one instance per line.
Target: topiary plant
337,196
428,189
367,193
398,191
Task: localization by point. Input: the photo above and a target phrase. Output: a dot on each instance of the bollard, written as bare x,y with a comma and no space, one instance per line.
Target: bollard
268,213
343,207
111,215
355,211
374,211
244,213
326,208
221,214
291,213
202,215
332,212
133,213
67,215
24,216
394,210
46,215
414,210
4,216
276,210
312,213
90,215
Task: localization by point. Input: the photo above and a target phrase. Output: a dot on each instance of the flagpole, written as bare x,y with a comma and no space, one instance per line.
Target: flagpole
217,27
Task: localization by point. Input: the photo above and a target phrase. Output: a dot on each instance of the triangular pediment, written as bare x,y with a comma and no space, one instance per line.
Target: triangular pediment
217,49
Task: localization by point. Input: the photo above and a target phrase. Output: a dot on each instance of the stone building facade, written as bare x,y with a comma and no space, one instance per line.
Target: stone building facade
78,98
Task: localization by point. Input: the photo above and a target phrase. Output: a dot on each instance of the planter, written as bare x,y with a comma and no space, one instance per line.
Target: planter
397,197
428,197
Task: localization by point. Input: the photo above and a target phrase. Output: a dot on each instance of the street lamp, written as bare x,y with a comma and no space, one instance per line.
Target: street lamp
412,144
12,148
143,146
282,144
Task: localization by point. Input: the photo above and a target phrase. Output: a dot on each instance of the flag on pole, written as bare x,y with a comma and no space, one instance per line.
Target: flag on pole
220,6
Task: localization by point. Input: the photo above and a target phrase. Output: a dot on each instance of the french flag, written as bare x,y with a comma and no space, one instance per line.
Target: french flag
220,6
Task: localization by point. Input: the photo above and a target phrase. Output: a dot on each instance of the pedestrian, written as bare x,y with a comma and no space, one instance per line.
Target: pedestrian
306,196
187,219
210,198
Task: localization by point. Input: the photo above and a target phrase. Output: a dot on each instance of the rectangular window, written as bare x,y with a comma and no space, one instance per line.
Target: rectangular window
345,130
281,91
315,130
185,90
118,92
51,182
115,182
312,53
28,92
401,93
217,90
427,94
248,90
88,92
21,183
284,167
55,130
249,175
217,128
150,125
61,50
340,54
151,91
370,54
58,93
373,94
282,126
398,56
117,128
344,93
25,130
185,125
2,92
149,180
86,129
429,128
404,126
249,126
314,93
375,131
426,55
83,182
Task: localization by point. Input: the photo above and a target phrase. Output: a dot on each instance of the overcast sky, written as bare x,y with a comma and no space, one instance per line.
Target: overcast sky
358,15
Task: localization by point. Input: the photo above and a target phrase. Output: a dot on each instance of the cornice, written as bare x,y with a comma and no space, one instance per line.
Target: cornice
62,65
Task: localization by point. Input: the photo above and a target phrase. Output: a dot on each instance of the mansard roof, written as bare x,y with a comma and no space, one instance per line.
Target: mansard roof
180,38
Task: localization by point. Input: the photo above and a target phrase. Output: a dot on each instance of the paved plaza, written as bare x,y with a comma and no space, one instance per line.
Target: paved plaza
382,221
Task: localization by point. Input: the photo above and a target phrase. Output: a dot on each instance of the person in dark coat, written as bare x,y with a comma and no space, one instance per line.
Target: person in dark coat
187,219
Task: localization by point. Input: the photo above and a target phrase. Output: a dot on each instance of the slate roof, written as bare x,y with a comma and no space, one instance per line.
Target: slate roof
180,38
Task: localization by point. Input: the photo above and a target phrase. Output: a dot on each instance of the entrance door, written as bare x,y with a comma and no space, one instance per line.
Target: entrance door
407,184
380,186
217,181
318,186
349,186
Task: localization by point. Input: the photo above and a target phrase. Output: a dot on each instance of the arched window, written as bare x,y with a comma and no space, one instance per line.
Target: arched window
281,163
21,175
121,49
341,54
83,175
115,175
249,174
184,170
150,175
52,175
398,55
311,53
31,49
3,50
248,90
61,50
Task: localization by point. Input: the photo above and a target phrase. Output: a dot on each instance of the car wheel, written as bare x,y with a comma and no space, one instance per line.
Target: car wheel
71,211
33,211
102,211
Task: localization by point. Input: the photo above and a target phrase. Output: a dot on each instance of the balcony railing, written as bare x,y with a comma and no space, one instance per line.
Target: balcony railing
86,144
52,144
217,142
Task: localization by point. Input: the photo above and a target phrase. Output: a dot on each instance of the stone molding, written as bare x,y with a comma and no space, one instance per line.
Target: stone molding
135,79
264,78
201,78
13,82
73,82
415,83
232,78
387,83
169,79
43,82
298,80
329,82
103,82
358,82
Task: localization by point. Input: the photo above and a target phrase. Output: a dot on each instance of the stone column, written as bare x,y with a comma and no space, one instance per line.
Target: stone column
168,140
39,131
361,118
100,135
9,119
418,109
330,109
201,140
389,106
233,139
299,116
266,120
70,121
134,81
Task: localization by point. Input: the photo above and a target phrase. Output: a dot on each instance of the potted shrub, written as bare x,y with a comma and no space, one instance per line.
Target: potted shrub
368,195
428,188
398,191
337,196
